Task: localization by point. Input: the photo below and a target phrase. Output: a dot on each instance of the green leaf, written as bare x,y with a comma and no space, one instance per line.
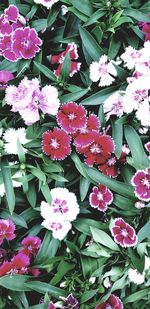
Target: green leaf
46,192
10,195
100,96
85,6
15,283
63,268
42,287
31,194
83,225
39,24
104,239
136,296
21,154
47,72
48,249
88,295
94,17
137,261
9,66
73,96
144,232
52,16
136,14
117,134
91,46
65,71
38,174
84,187
138,154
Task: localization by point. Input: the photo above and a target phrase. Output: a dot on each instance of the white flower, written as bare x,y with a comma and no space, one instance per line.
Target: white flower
49,102
47,3
11,136
131,57
135,276
104,70
143,113
59,227
147,263
139,205
107,283
64,10
114,105
62,210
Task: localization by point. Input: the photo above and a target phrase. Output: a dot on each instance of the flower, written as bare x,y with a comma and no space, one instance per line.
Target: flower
71,117
147,146
100,198
141,183
6,49
71,302
124,234
51,306
135,276
139,205
47,3
131,57
143,113
17,265
146,30
10,16
31,245
49,102
60,212
113,302
104,70
11,136
56,144
114,105
7,229
25,42
73,53
63,202
5,77
99,150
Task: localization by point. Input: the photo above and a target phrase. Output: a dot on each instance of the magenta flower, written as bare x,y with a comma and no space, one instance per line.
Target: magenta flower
51,306
75,66
147,146
100,198
7,19
141,183
17,265
56,144
26,42
7,229
31,245
5,77
124,234
71,117
6,49
113,302
146,30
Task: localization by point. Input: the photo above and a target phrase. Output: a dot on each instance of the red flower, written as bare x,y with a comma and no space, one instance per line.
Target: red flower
100,198
146,30
113,302
7,229
75,66
99,150
84,136
71,117
26,42
56,144
31,245
51,306
123,233
141,183
17,265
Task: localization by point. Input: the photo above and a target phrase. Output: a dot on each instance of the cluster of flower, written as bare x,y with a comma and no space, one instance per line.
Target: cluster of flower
96,147
59,214
17,41
135,98
21,262
29,97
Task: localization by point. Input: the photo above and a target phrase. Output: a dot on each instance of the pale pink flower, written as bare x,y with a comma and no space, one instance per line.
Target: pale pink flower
143,113
103,71
131,57
114,105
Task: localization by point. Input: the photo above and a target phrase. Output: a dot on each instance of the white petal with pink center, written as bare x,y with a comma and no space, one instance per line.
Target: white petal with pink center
59,227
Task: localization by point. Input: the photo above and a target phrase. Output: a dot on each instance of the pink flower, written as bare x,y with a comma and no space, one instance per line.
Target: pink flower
7,50
124,234
75,66
100,198
71,117
147,146
113,302
11,13
10,16
56,144
51,306
31,245
146,30
26,42
114,105
84,137
5,77
17,265
7,229
141,183
99,150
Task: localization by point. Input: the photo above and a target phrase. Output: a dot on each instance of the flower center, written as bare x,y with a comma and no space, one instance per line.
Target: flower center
56,226
60,206
26,43
100,196
95,148
71,116
124,232
54,143
102,68
146,182
111,161
108,306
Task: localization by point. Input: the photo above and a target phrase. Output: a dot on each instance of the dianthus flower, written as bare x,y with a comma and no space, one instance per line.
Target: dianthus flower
71,117
11,136
31,245
84,137
141,183
74,66
124,234
62,210
114,105
100,198
17,265
51,306
143,113
146,30
113,302
71,302
5,77
104,70
7,229
10,16
131,57
147,146
28,98
56,144
99,150
26,42
135,276
47,3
